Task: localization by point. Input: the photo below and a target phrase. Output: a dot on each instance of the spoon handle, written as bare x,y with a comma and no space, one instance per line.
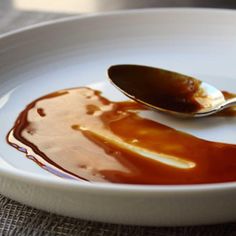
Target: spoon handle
228,103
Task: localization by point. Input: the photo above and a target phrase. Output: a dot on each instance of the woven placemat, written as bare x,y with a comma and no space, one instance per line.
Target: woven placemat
18,219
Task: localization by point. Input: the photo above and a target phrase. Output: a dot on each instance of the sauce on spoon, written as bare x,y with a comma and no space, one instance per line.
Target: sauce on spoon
167,91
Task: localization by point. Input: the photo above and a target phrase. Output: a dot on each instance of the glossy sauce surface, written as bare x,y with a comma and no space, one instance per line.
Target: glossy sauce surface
80,134
158,87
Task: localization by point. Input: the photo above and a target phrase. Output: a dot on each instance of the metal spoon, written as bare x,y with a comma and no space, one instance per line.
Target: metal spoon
168,91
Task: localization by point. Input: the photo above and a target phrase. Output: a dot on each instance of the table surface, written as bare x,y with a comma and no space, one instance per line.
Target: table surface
18,219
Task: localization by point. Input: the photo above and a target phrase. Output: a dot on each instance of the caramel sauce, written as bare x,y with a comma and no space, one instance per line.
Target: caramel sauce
158,87
77,133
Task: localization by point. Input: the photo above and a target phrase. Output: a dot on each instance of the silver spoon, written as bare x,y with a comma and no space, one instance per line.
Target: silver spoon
168,91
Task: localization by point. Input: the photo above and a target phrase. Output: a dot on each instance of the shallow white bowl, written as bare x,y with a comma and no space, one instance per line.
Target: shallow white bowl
76,52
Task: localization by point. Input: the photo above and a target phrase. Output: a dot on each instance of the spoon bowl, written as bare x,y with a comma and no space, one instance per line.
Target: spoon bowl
168,91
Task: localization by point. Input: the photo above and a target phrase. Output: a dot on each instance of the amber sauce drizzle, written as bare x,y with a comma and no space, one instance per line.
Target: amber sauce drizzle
84,135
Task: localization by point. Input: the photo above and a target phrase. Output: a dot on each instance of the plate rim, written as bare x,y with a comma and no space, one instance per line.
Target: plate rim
112,13
51,181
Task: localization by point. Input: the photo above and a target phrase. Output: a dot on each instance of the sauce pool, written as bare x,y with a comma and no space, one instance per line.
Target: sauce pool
78,133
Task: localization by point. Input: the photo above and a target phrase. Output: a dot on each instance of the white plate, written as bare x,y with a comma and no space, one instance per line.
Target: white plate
76,52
